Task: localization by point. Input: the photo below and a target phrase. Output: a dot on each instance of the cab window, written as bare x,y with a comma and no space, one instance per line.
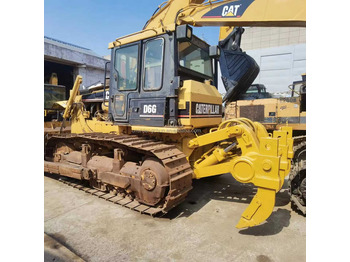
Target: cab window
126,64
195,58
153,64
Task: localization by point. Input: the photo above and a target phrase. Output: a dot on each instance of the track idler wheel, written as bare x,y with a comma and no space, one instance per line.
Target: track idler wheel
154,182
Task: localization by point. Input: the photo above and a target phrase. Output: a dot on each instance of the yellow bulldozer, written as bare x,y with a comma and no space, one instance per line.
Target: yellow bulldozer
54,106
164,125
55,103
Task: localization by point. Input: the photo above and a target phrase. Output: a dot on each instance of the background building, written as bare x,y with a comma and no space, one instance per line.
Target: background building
69,60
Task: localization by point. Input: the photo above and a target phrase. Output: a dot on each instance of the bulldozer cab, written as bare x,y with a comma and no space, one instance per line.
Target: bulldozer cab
146,76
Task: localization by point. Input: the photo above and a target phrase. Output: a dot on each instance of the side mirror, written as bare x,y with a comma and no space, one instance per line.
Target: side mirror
214,52
183,33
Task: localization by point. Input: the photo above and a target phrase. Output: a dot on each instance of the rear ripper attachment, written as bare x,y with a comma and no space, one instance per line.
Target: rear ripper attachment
245,149
143,174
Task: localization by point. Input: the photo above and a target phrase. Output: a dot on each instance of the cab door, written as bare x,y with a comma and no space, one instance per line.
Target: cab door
124,80
150,108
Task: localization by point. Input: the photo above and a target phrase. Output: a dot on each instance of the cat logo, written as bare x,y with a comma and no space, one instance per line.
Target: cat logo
230,10
233,10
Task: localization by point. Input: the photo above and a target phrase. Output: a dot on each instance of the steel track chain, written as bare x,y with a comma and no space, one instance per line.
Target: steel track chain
116,199
295,170
175,162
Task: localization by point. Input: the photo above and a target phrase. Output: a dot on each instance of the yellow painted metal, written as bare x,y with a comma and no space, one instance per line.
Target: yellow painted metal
60,105
167,13
53,79
151,129
259,208
277,13
144,34
280,107
74,92
291,13
104,106
263,160
79,124
225,31
259,13
194,91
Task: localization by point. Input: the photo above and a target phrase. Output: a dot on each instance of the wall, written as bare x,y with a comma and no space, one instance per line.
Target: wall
90,75
265,37
84,61
280,66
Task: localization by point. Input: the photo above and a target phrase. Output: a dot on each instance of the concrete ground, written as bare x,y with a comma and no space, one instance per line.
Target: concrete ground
200,229
55,251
